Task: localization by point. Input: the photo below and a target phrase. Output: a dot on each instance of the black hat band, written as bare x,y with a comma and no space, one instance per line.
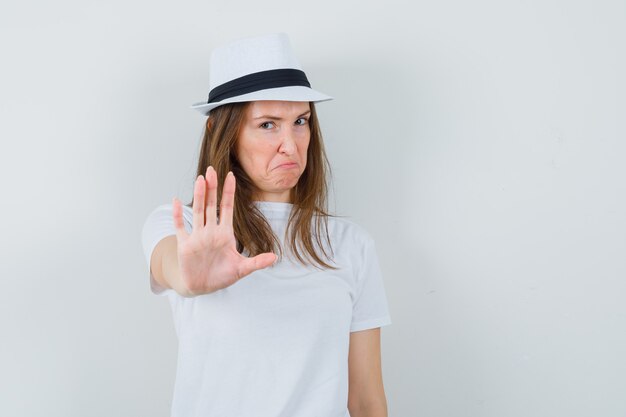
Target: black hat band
258,81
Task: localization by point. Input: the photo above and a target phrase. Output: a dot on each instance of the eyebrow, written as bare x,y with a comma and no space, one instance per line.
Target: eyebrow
279,118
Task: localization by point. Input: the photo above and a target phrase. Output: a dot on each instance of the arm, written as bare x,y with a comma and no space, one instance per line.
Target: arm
366,394
164,265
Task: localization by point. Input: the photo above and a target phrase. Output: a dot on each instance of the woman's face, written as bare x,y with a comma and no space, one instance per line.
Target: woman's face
274,133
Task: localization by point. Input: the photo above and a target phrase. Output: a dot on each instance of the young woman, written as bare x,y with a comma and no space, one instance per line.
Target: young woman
277,304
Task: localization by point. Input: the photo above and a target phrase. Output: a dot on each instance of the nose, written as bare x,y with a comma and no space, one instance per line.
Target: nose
288,144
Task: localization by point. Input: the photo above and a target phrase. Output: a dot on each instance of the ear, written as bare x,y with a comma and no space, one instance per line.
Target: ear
209,123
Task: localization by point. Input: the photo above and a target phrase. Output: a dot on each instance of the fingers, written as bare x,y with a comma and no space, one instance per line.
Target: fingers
211,198
177,214
228,200
199,190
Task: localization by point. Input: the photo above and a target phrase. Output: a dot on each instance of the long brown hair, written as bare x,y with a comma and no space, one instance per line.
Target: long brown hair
309,196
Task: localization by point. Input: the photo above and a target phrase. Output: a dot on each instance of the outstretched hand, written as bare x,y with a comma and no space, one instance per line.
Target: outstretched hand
208,257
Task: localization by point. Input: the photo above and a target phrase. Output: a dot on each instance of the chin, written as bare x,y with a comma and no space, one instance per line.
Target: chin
287,183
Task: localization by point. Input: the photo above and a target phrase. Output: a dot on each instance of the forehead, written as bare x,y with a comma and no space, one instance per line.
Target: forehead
275,107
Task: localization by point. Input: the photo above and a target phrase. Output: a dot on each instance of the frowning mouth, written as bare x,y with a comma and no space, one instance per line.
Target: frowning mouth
288,165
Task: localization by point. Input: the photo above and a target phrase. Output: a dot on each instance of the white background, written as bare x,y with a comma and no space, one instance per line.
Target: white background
481,143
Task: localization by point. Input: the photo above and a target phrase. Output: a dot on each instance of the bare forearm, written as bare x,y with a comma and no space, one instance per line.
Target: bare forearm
171,272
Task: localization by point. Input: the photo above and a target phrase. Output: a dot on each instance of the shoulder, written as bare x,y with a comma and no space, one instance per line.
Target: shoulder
160,219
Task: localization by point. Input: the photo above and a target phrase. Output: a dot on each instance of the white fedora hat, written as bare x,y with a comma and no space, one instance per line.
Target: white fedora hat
257,68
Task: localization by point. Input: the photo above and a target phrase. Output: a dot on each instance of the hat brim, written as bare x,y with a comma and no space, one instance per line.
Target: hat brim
291,93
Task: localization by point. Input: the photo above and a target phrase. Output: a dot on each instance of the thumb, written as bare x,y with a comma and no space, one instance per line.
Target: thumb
260,261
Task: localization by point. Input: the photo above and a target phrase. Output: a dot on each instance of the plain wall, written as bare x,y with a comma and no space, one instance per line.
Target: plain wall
481,143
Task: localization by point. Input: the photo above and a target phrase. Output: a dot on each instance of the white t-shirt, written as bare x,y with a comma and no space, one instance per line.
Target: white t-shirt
275,343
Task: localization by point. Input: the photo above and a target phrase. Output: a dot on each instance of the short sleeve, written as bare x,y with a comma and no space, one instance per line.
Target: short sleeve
370,308
158,225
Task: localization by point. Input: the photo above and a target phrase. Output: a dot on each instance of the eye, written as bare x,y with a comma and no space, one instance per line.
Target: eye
304,121
265,124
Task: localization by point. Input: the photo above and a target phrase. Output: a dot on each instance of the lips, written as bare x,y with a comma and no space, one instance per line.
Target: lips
287,165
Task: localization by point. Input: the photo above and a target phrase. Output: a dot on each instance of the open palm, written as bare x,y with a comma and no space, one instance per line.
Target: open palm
208,257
